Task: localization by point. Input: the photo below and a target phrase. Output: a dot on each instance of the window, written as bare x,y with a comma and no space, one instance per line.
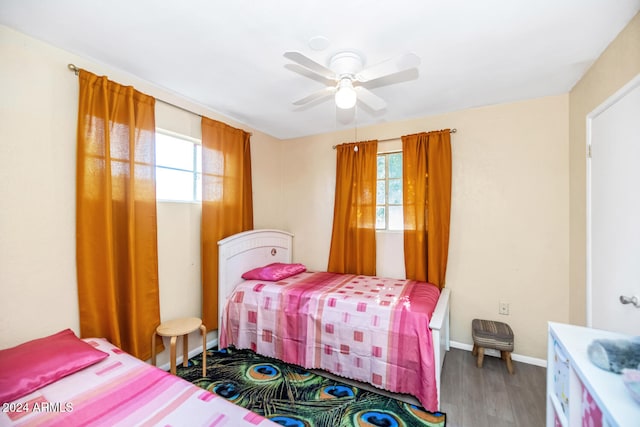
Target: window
389,192
178,167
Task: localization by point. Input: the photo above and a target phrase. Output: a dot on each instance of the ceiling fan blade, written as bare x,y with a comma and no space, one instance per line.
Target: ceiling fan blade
304,71
369,99
392,79
390,66
316,96
310,64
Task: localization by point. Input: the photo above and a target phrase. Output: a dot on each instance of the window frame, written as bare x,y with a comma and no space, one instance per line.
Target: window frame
386,180
195,197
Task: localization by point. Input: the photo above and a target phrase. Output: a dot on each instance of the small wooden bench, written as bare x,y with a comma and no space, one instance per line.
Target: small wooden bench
495,335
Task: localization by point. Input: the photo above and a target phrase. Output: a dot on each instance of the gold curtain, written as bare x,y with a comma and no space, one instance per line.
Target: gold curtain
227,201
353,240
426,199
116,239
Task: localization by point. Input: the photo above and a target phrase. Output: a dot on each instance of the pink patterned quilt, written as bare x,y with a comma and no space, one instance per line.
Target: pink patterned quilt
124,391
369,329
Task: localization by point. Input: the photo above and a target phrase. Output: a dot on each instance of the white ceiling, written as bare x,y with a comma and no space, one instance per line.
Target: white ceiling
228,55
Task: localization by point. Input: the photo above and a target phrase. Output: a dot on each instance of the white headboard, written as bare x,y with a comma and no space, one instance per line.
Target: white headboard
244,251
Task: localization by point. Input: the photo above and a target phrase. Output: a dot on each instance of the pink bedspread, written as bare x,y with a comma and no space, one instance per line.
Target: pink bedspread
124,391
369,329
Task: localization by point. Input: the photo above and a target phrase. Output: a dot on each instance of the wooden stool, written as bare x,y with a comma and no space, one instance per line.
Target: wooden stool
492,334
181,327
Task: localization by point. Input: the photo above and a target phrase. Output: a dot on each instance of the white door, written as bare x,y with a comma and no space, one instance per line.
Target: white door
613,213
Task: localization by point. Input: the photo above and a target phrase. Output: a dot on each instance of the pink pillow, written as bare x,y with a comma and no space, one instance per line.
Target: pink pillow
274,272
34,364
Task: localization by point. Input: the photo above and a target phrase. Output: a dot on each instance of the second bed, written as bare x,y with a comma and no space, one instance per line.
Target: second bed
387,332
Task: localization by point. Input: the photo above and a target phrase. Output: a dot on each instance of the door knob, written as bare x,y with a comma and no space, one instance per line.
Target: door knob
630,300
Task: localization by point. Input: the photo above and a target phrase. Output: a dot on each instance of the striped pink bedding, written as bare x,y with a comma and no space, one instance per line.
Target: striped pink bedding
369,329
124,391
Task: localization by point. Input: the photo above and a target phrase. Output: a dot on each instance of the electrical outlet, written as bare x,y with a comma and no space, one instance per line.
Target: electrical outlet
503,308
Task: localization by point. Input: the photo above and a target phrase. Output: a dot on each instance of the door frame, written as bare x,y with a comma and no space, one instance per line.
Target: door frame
617,96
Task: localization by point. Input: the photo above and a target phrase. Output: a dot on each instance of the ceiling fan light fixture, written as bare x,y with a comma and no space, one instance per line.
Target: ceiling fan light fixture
345,69
346,96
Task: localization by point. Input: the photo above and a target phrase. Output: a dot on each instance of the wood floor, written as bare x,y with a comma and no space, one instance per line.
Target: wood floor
474,397
486,397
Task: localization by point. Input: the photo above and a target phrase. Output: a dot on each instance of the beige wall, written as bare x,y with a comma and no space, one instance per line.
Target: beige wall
616,66
510,211
38,112
37,191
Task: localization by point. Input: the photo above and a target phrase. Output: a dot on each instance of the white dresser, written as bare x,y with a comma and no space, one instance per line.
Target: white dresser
577,390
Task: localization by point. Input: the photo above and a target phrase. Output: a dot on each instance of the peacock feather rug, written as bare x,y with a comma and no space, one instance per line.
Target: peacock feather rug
294,397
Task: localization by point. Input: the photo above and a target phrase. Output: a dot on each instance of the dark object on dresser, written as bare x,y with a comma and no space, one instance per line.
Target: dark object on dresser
615,355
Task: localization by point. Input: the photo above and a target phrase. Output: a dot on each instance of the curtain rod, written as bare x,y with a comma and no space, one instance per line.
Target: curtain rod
454,130
76,70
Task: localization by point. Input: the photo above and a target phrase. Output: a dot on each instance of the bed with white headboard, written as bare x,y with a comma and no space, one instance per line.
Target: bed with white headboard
247,250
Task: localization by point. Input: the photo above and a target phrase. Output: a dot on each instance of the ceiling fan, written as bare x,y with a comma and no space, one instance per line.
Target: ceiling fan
346,77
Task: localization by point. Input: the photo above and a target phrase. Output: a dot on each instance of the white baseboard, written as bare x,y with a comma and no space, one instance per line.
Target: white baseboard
192,353
496,353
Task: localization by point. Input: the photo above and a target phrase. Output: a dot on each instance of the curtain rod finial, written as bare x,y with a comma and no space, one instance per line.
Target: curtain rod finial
73,68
